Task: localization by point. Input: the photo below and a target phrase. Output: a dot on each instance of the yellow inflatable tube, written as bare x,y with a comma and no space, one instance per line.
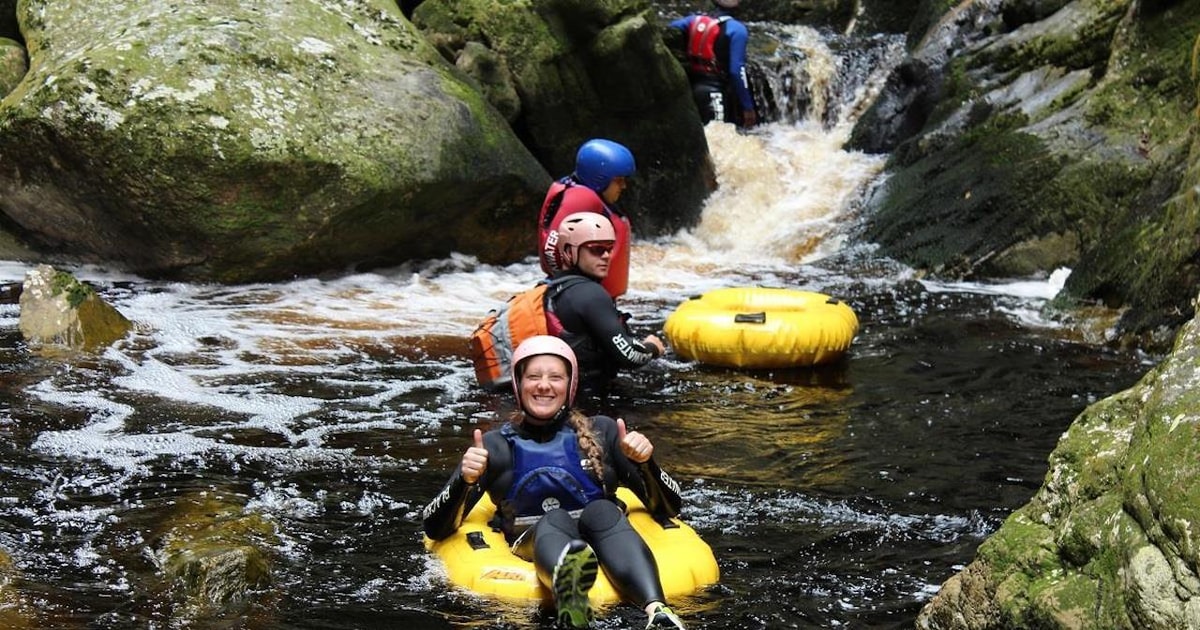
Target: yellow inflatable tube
762,328
477,558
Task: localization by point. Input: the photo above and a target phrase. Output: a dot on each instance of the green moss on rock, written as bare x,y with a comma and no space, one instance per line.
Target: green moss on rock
218,552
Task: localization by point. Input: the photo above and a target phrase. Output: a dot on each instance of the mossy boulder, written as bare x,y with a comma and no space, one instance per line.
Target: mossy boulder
216,552
253,141
1027,136
581,70
58,312
13,65
1109,541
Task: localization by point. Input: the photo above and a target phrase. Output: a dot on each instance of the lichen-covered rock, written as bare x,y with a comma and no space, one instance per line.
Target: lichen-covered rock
60,312
13,65
254,140
1036,134
1110,539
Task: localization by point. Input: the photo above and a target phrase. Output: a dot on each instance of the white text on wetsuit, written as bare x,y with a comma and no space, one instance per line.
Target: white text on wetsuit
629,352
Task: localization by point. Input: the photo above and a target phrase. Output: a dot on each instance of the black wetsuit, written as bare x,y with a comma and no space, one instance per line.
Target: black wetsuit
625,557
598,334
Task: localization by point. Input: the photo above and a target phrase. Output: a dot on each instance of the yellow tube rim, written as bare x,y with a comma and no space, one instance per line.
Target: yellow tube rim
755,327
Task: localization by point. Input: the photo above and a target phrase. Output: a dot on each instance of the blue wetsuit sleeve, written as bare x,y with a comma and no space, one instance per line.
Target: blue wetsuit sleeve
683,23
738,38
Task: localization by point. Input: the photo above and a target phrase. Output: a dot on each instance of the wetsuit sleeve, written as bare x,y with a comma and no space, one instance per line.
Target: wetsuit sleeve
738,38
662,492
683,23
657,490
446,512
604,324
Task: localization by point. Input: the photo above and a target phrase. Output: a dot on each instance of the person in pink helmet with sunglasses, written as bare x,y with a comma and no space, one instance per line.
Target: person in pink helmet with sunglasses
553,474
584,314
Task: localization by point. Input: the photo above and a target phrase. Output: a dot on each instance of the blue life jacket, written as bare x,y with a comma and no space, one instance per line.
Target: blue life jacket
547,475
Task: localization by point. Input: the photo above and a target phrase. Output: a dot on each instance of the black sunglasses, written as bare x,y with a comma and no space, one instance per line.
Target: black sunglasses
599,250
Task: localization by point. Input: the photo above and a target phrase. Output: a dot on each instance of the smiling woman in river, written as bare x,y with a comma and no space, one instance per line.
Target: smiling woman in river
554,472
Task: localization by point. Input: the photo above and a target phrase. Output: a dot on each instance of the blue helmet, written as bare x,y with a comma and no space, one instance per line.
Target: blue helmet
599,161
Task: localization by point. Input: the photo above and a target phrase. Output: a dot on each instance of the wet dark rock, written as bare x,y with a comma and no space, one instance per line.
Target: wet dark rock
15,613
217,552
1013,122
584,70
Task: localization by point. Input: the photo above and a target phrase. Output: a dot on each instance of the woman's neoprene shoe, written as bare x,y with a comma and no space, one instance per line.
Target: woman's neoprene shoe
663,618
574,575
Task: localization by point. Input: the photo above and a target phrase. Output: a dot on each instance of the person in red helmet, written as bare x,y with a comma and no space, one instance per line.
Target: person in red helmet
553,473
584,314
716,64
602,172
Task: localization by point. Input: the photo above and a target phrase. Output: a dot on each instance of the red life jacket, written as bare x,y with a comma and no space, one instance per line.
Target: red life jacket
565,198
702,44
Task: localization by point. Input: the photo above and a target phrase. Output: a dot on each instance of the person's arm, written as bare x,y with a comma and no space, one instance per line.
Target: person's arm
683,23
738,38
633,459
443,516
607,328
446,512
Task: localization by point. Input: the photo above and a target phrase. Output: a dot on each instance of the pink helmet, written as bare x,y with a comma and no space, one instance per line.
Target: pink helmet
545,344
580,228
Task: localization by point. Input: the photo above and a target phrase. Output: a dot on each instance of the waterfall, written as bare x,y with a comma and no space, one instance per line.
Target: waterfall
787,189
801,74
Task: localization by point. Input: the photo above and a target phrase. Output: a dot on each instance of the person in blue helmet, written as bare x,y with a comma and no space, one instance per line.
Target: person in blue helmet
716,64
553,472
602,170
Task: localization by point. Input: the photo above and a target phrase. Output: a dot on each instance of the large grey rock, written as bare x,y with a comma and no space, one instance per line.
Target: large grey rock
1109,541
254,140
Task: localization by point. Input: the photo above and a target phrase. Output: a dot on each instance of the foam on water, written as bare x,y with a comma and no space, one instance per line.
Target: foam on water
1028,296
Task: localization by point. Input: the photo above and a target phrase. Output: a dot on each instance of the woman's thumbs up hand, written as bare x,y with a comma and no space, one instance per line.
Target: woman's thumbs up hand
474,461
636,446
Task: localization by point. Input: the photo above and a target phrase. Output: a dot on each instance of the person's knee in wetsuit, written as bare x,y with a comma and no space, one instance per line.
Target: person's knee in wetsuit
626,559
